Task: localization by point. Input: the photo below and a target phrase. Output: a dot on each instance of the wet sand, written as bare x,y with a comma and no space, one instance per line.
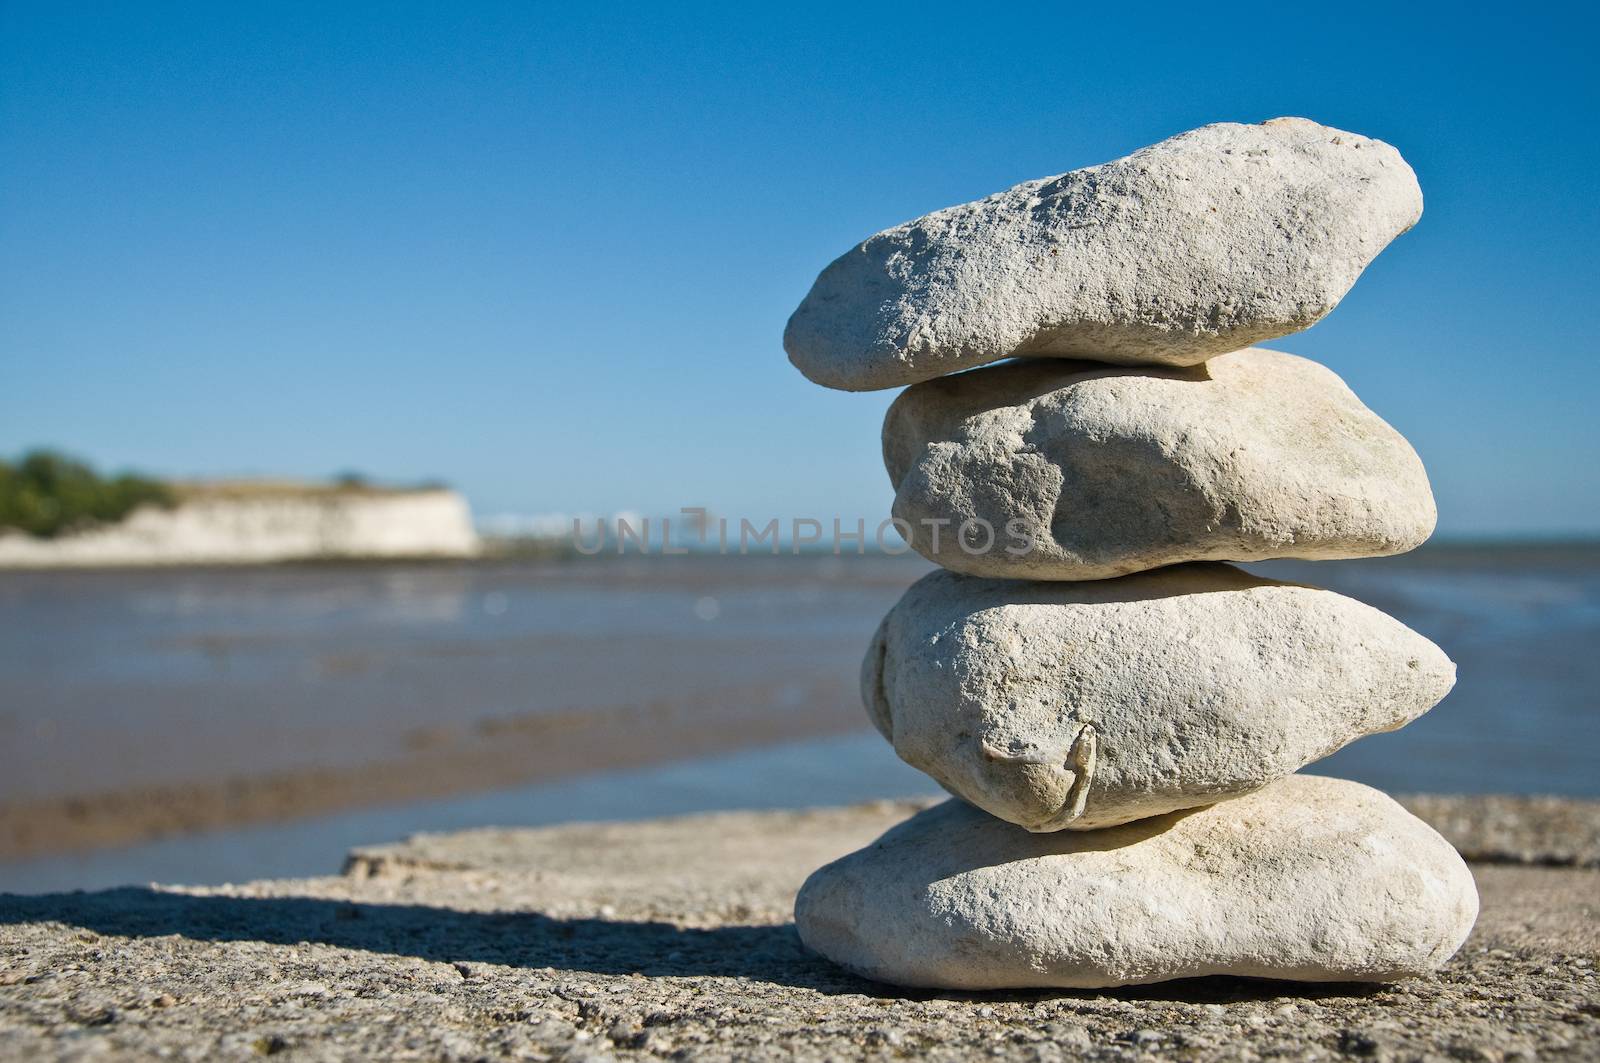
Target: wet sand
145,704
500,754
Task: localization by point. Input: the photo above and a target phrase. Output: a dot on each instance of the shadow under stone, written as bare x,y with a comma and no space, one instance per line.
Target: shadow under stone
533,940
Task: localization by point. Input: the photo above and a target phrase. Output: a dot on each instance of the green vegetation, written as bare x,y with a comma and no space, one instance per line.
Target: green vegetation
46,494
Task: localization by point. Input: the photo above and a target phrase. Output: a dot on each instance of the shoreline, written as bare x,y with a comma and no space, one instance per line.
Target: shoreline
498,754
145,705
1446,550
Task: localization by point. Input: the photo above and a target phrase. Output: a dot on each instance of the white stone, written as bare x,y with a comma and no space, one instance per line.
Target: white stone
1106,471
1310,879
1208,242
1083,705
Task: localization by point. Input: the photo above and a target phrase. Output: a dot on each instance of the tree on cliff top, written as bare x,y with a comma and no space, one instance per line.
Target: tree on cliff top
47,494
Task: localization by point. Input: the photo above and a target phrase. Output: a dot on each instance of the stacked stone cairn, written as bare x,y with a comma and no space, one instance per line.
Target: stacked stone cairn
1120,713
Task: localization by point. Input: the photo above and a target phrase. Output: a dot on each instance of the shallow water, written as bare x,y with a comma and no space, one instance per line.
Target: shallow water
1523,626
110,681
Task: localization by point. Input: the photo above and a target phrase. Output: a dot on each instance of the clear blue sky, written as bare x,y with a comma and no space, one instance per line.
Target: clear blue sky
546,252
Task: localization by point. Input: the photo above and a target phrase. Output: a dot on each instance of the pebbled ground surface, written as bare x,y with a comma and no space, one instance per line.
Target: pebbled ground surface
671,939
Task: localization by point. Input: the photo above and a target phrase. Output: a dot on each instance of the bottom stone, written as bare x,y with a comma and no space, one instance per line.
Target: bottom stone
1309,878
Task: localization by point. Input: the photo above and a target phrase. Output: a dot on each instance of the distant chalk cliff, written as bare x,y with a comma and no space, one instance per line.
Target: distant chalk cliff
248,523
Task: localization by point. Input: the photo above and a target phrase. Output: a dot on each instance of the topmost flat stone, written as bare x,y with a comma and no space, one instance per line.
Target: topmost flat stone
1205,243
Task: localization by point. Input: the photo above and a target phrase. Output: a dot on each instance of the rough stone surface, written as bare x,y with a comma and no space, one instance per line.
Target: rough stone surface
1083,705
672,940
1313,879
1253,455
1208,242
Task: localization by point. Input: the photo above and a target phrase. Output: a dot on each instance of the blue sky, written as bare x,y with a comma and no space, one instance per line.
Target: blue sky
546,252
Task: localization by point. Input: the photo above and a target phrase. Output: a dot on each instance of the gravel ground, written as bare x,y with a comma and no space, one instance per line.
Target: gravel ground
672,939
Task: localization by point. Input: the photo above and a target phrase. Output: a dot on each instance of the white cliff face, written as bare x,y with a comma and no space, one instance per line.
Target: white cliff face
273,526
